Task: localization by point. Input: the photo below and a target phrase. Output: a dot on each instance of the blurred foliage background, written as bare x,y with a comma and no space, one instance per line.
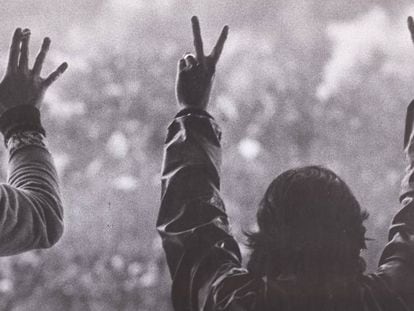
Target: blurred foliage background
299,82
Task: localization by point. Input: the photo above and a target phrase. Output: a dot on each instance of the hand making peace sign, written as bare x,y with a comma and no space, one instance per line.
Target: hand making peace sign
196,73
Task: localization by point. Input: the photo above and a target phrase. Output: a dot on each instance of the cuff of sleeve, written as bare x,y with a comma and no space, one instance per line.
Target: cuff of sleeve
19,119
195,111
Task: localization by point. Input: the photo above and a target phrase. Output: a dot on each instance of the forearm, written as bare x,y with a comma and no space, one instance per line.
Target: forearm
403,222
192,220
190,180
30,205
396,264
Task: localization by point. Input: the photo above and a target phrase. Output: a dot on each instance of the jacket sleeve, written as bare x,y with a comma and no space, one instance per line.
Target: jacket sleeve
396,265
30,205
201,253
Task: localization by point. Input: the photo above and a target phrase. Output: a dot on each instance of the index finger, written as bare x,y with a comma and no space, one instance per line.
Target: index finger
216,52
410,23
408,124
14,51
198,42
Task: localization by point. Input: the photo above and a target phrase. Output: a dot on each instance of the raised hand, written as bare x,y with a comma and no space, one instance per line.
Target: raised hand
410,110
410,22
21,85
196,73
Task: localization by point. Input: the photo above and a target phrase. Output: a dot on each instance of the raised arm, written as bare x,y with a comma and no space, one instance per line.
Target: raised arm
396,265
30,205
192,220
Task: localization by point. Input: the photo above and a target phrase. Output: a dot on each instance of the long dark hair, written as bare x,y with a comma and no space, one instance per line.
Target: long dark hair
311,225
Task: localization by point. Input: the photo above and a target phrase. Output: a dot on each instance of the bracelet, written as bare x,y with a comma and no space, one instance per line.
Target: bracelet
19,140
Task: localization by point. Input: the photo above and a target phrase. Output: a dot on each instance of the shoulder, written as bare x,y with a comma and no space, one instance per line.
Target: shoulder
374,287
237,289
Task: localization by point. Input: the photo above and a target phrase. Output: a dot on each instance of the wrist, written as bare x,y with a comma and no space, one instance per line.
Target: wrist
193,104
19,119
193,110
17,100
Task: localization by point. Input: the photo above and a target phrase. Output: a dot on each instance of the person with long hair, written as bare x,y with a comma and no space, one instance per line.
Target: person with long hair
306,251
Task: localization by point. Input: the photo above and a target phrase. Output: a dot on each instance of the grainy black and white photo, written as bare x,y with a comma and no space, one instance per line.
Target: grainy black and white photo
220,155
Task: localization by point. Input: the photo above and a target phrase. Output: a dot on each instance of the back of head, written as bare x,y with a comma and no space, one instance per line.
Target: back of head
309,225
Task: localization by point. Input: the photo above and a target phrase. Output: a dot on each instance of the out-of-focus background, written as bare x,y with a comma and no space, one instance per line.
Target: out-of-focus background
299,82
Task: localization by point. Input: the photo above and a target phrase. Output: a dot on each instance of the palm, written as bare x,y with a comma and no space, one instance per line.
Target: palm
21,85
20,90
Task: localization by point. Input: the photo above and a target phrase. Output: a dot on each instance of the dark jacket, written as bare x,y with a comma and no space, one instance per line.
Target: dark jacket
30,205
203,257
